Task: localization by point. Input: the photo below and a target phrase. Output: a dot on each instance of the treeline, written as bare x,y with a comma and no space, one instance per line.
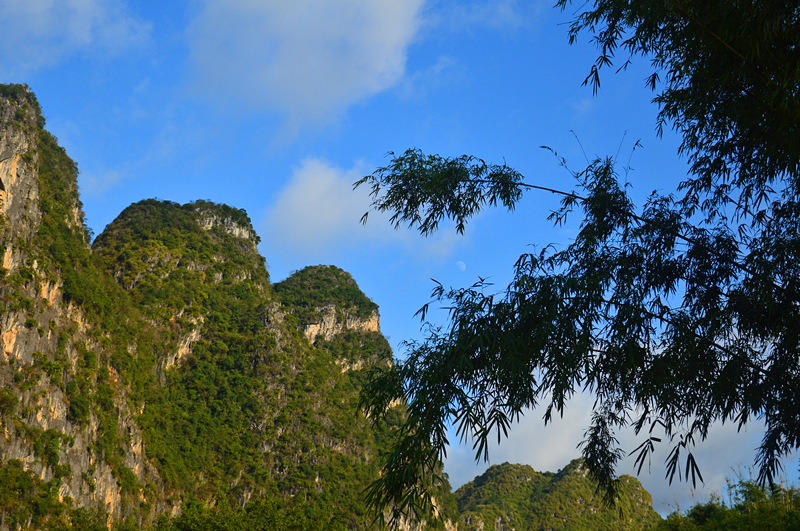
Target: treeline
749,507
258,515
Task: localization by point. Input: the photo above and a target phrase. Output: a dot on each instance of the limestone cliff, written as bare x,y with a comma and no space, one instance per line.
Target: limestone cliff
326,301
45,336
330,322
158,368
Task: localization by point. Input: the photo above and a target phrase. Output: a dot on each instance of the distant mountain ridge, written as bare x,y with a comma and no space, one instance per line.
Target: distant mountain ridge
507,497
158,369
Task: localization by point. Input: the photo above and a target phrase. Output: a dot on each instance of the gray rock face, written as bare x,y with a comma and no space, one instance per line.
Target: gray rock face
19,188
209,220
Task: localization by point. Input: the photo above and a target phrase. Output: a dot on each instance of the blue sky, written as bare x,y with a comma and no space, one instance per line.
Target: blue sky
278,107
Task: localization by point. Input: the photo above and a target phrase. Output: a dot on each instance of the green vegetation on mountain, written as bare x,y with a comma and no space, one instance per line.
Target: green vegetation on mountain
58,253
155,370
313,287
517,497
240,416
25,497
196,419
258,515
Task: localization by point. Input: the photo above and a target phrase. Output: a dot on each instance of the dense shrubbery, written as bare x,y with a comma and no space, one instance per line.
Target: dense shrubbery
13,92
749,507
18,94
258,515
285,418
197,421
26,498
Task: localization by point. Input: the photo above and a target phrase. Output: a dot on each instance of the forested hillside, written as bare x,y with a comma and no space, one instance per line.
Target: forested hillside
158,369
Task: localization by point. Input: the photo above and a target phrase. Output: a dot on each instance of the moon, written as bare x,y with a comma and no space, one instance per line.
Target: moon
461,265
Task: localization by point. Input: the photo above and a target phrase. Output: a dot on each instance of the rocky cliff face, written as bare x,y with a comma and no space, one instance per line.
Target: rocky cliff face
159,364
330,323
46,338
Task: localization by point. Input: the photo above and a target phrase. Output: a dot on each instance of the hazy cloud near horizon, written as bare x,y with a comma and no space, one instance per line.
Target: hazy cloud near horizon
306,60
725,453
38,33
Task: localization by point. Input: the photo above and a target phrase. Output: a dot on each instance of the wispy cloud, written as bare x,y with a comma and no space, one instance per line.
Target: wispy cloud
494,14
97,184
307,60
38,33
582,107
416,85
317,215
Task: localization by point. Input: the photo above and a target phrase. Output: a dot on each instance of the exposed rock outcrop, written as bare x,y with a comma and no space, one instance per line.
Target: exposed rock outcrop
210,220
332,321
19,189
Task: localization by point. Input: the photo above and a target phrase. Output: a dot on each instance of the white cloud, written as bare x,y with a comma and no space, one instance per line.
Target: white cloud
582,107
307,59
318,215
493,13
37,33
